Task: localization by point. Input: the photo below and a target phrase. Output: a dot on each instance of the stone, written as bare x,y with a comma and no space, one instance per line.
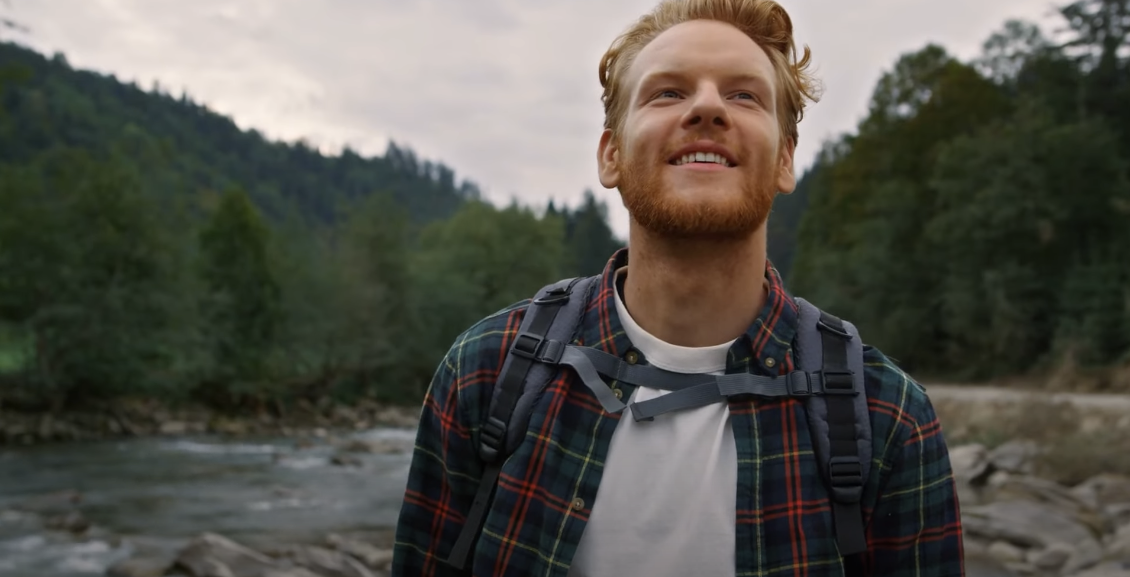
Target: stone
1006,552
139,567
1015,456
212,555
1105,570
345,461
1118,547
1050,558
1087,554
327,562
373,557
1025,523
73,522
173,428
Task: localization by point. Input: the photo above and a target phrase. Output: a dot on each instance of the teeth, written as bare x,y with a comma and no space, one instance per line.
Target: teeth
702,157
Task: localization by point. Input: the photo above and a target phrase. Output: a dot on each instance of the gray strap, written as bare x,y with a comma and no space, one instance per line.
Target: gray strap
640,375
575,357
796,383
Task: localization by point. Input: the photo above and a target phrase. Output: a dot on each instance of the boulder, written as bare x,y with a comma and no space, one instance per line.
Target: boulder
212,555
373,557
1017,456
327,562
139,567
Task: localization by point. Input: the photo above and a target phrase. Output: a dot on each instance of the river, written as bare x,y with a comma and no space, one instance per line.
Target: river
164,491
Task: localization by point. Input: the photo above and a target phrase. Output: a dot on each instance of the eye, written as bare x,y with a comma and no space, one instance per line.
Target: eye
667,94
748,95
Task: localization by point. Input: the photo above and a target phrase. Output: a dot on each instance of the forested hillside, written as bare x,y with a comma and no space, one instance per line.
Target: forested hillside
977,223
150,247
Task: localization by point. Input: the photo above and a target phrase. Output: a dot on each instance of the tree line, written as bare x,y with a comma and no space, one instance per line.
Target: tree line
975,225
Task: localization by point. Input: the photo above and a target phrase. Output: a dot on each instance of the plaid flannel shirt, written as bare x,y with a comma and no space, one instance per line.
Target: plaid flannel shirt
784,523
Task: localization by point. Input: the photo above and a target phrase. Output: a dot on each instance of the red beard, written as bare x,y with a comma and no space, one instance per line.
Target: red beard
662,212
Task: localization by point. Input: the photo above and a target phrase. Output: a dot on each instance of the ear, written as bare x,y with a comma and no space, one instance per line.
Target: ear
786,178
607,160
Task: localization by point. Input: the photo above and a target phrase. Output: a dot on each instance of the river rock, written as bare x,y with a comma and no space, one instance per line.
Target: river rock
1106,570
1017,456
1105,489
1006,552
1025,523
373,558
327,562
212,555
60,502
1118,546
173,428
1034,489
1087,554
139,567
73,522
1050,558
373,446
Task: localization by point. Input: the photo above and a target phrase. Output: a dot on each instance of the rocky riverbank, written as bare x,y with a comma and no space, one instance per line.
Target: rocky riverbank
150,418
1032,526
361,554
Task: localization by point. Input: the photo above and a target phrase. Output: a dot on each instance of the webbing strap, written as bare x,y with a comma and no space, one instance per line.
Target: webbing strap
844,470
793,384
461,551
528,347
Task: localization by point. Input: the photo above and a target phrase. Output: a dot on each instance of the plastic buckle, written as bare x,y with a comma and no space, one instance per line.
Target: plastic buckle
491,438
799,384
842,333
538,349
837,383
846,475
553,297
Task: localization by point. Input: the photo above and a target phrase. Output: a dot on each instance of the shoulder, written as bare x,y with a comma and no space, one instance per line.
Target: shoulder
476,355
899,405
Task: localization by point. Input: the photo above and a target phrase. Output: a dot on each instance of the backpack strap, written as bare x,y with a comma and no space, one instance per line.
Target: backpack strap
839,419
550,322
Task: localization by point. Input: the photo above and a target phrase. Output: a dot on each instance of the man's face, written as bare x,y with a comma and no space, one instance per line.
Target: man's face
700,152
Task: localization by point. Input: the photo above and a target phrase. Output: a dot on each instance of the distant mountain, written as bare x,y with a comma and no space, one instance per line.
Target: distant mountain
181,145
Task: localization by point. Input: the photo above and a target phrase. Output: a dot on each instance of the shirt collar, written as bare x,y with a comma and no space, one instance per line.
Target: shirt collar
767,342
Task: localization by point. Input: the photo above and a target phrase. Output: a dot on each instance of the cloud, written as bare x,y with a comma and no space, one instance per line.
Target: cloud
503,91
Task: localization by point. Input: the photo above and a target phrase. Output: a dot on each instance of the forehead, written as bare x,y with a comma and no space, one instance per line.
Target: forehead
698,48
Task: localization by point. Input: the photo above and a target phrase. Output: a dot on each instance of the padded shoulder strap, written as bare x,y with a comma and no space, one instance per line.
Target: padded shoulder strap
554,315
551,320
840,423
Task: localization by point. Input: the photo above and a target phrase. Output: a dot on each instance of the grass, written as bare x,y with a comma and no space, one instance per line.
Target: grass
1076,444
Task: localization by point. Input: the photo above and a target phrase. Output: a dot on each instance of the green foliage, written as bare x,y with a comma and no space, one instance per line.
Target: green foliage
309,277
974,226
240,299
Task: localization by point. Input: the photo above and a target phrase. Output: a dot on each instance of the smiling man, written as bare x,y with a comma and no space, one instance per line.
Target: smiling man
681,413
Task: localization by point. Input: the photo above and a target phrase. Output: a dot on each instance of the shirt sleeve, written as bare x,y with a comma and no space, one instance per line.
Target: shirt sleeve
442,479
915,527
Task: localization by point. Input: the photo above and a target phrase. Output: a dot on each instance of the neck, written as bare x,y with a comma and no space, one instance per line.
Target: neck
695,292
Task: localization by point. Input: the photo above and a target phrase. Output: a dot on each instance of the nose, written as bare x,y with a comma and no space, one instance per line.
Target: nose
708,107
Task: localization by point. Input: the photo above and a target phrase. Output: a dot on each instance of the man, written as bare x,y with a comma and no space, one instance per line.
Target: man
702,100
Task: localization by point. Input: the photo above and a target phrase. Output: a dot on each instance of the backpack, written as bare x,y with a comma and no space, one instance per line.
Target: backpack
829,378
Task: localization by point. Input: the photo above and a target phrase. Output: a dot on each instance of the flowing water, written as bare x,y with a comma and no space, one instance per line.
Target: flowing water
161,492
164,491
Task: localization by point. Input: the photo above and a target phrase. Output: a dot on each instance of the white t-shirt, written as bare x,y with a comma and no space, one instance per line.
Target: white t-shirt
667,499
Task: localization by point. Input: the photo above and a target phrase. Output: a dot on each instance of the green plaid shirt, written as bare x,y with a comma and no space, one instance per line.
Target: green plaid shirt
784,522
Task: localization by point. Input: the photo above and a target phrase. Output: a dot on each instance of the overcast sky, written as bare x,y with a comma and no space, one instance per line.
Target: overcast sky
503,91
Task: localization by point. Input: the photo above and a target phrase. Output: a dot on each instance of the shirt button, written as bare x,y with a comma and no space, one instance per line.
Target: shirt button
578,504
632,357
618,393
770,362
